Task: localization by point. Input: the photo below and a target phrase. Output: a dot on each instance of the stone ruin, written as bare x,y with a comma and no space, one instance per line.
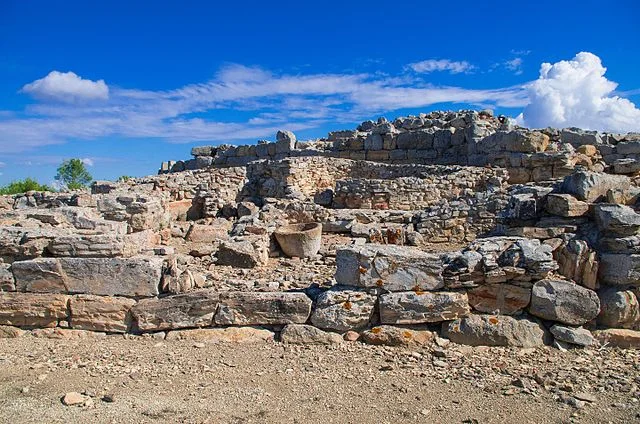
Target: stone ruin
455,224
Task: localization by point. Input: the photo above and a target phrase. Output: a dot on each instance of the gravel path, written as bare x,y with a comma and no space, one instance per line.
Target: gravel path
151,380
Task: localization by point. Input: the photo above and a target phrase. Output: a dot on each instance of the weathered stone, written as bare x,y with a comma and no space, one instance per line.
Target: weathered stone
242,335
343,310
199,233
100,313
422,307
137,276
563,301
577,336
262,308
618,308
495,330
577,261
503,299
9,332
241,254
620,244
192,309
395,336
618,220
87,246
618,337
394,268
619,269
308,334
66,334
7,283
565,205
300,240
285,141
592,186
626,166
75,399
32,310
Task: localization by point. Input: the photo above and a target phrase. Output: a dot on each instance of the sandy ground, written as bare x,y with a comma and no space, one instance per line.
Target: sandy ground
187,382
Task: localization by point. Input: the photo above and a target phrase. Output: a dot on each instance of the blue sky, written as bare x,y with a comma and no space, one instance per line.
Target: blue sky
126,85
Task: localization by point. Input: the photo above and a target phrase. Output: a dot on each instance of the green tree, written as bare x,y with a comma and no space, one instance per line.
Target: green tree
22,186
73,174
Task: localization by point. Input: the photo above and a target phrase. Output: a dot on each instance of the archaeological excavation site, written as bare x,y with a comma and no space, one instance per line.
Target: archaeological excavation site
447,226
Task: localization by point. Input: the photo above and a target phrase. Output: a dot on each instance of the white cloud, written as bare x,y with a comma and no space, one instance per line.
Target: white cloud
68,87
514,65
88,161
575,93
439,65
2,164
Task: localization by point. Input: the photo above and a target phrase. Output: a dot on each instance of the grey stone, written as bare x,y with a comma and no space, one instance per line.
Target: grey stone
188,310
7,283
241,254
619,269
262,308
563,301
626,166
591,186
618,308
577,336
394,268
343,310
423,307
617,220
87,246
308,334
286,141
495,330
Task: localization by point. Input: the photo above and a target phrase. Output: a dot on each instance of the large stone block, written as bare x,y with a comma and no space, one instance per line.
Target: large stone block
495,330
563,301
188,310
236,335
503,299
343,310
416,308
136,277
618,308
593,186
262,308
100,313
619,269
308,334
394,268
618,337
388,335
617,220
565,205
199,233
32,310
87,246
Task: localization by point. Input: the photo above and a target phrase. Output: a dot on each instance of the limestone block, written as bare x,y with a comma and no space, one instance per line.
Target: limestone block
422,307
308,334
565,205
495,330
563,301
100,313
591,186
136,277
192,309
262,308
619,269
617,220
503,299
218,230
32,310
238,335
394,268
343,310
388,335
618,337
618,308
87,246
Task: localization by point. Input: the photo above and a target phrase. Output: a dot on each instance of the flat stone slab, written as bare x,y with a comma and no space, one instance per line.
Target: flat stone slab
262,308
308,334
504,299
618,337
33,310
241,335
619,269
495,330
188,310
394,268
87,246
100,313
416,308
136,277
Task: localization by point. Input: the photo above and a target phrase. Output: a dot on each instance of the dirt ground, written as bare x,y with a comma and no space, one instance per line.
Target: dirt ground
152,381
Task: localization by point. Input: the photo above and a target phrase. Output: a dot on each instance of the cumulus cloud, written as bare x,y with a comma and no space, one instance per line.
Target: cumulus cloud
575,93
440,65
68,87
87,161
